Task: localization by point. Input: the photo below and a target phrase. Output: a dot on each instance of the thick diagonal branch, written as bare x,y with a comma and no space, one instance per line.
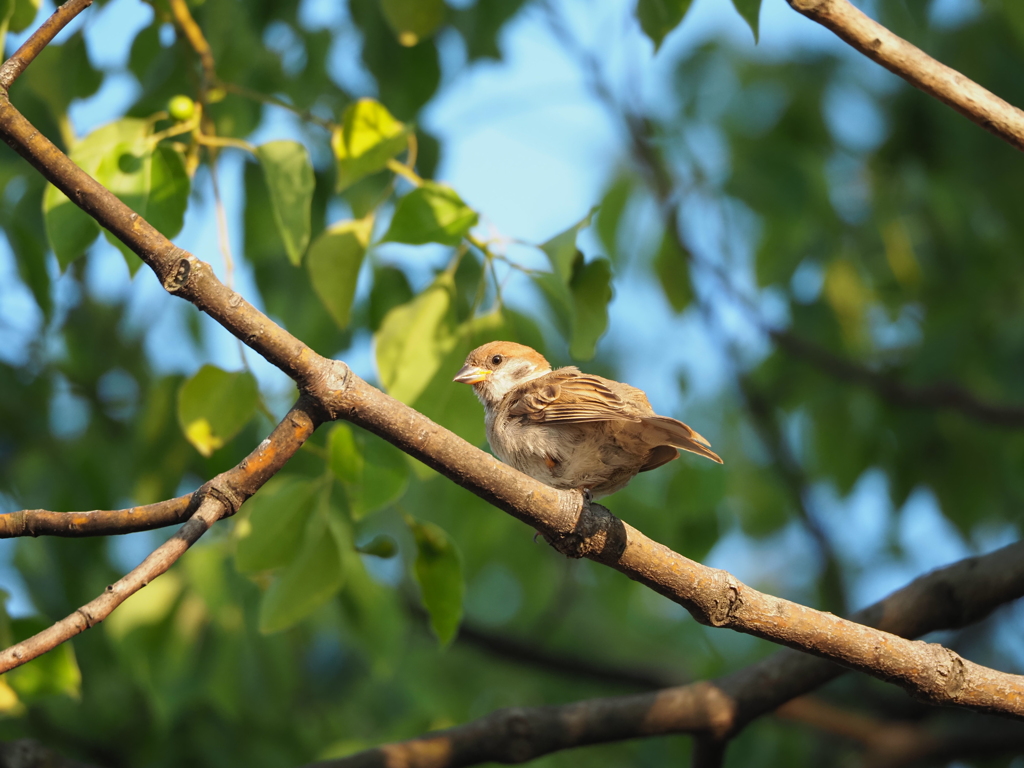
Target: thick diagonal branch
917,67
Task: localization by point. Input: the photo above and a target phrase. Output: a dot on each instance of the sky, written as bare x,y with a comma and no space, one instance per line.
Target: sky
528,145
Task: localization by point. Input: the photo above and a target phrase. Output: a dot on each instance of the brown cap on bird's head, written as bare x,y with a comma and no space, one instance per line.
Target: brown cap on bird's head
482,361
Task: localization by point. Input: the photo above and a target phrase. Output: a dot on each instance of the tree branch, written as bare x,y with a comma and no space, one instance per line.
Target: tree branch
917,68
947,396
38,40
219,498
98,522
951,597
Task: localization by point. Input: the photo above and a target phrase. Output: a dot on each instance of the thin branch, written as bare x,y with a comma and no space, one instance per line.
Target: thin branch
194,35
101,522
304,114
917,67
954,596
38,40
219,498
947,396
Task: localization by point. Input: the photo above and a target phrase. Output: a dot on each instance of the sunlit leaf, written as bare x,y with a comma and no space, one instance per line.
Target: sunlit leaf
334,261
431,213
368,137
438,571
214,405
147,606
413,340
289,176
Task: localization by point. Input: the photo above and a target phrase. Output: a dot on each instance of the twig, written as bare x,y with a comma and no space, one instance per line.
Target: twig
917,67
194,35
219,498
951,597
101,522
38,40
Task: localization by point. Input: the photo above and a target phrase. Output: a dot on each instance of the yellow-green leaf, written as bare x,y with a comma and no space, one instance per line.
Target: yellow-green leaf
431,213
334,261
214,405
368,137
413,20
271,534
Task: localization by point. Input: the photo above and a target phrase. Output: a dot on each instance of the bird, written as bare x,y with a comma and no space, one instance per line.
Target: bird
569,429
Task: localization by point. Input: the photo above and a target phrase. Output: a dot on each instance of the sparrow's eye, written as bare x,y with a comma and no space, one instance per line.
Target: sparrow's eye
496,360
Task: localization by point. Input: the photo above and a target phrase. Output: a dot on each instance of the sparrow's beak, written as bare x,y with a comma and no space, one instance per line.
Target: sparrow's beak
470,374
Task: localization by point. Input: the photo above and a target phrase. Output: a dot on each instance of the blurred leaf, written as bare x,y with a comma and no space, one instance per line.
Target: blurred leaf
376,619
431,213
659,17
146,607
438,571
334,261
413,20
316,573
379,546
672,268
561,249
591,291
169,191
214,405
289,176
610,212
390,289
413,340
750,10
375,473
368,137
480,25
277,518
25,12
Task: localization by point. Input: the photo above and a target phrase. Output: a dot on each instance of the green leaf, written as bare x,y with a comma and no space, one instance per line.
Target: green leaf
375,473
316,573
591,291
414,338
413,20
289,176
24,14
375,617
670,264
561,249
659,17
438,571
271,534
431,213
390,289
214,405
369,136
168,192
610,213
750,10
380,546
334,261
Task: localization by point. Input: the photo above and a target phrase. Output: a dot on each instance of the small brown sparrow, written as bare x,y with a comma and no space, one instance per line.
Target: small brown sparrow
570,429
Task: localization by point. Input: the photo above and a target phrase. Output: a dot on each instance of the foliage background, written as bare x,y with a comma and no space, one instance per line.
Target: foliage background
817,195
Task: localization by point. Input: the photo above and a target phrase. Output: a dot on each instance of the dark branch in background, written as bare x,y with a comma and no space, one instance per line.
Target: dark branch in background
796,481
951,597
219,498
894,743
99,522
917,67
948,396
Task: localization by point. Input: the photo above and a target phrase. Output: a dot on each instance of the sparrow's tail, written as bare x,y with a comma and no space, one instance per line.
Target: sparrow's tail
678,435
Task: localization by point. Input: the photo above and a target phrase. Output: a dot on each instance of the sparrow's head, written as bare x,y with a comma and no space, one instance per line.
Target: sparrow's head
500,366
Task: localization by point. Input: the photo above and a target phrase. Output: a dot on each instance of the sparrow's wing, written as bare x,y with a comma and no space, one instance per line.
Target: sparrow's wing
569,397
